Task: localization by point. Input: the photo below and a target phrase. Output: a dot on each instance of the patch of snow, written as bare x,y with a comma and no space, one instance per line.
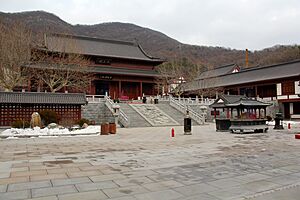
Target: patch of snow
44,132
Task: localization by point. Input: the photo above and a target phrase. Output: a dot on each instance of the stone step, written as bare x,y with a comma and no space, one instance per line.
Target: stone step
175,114
136,120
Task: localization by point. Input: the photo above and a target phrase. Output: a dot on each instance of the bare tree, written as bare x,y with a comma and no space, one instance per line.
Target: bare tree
61,69
15,51
176,72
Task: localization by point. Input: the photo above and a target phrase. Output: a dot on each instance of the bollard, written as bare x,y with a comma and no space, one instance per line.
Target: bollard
289,125
297,136
172,132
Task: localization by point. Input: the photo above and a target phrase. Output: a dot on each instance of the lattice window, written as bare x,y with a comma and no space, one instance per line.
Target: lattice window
288,88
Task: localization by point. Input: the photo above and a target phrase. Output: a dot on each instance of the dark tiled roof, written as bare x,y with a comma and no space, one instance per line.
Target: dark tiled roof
259,74
108,70
247,102
226,99
218,71
123,71
96,47
42,98
237,100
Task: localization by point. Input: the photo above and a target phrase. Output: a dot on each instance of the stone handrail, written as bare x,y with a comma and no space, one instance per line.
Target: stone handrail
189,101
122,117
199,118
109,104
95,98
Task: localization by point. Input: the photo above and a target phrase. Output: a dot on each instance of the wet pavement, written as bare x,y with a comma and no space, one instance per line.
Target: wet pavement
146,163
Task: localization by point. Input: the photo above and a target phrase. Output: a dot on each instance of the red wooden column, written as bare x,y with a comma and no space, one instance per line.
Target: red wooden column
141,89
120,89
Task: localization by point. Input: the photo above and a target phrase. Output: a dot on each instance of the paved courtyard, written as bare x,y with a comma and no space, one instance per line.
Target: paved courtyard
146,163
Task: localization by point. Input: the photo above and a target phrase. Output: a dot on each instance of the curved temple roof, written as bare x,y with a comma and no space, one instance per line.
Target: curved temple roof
96,47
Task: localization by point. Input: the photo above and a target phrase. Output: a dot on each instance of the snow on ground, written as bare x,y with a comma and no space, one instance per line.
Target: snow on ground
36,131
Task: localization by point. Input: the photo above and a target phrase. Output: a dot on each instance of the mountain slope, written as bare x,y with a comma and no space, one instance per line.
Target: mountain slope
153,42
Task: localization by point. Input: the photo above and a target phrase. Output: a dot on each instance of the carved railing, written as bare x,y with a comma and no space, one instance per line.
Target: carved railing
95,98
122,118
198,117
189,101
109,104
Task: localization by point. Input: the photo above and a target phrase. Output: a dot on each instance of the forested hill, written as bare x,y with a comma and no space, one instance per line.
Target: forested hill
153,42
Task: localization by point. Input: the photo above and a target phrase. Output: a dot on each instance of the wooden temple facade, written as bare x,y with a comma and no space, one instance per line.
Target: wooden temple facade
121,69
280,82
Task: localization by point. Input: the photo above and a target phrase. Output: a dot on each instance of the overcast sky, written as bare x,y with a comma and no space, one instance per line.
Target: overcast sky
239,24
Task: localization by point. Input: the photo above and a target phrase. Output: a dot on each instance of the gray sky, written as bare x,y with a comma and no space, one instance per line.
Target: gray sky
239,24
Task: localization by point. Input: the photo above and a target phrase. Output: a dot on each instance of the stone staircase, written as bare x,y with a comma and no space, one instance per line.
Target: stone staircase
97,112
136,120
175,114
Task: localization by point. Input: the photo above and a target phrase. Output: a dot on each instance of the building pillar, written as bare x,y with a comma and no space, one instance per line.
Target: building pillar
228,115
291,108
215,113
141,89
120,89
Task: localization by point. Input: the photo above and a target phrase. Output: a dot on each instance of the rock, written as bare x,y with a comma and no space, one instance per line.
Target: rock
60,127
35,120
85,125
52,126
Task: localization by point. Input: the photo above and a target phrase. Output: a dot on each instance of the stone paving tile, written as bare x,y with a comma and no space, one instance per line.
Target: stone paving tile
3,188
237,192
262,185
19,169
95,186
124,198
285,179
28,185
24,194
26,164
70,181
224,183
40,192
132,181
123,191
45,167
292,168
139,173
107,177
202,196
62,170
163,194
80,164
92,195
13,180
94,167
251,177
195,189
48,177
83,173
45,198
28,173
292,193
4,174
162,185
275,172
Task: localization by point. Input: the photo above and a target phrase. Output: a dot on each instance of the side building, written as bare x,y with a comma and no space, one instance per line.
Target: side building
120,68
279,82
